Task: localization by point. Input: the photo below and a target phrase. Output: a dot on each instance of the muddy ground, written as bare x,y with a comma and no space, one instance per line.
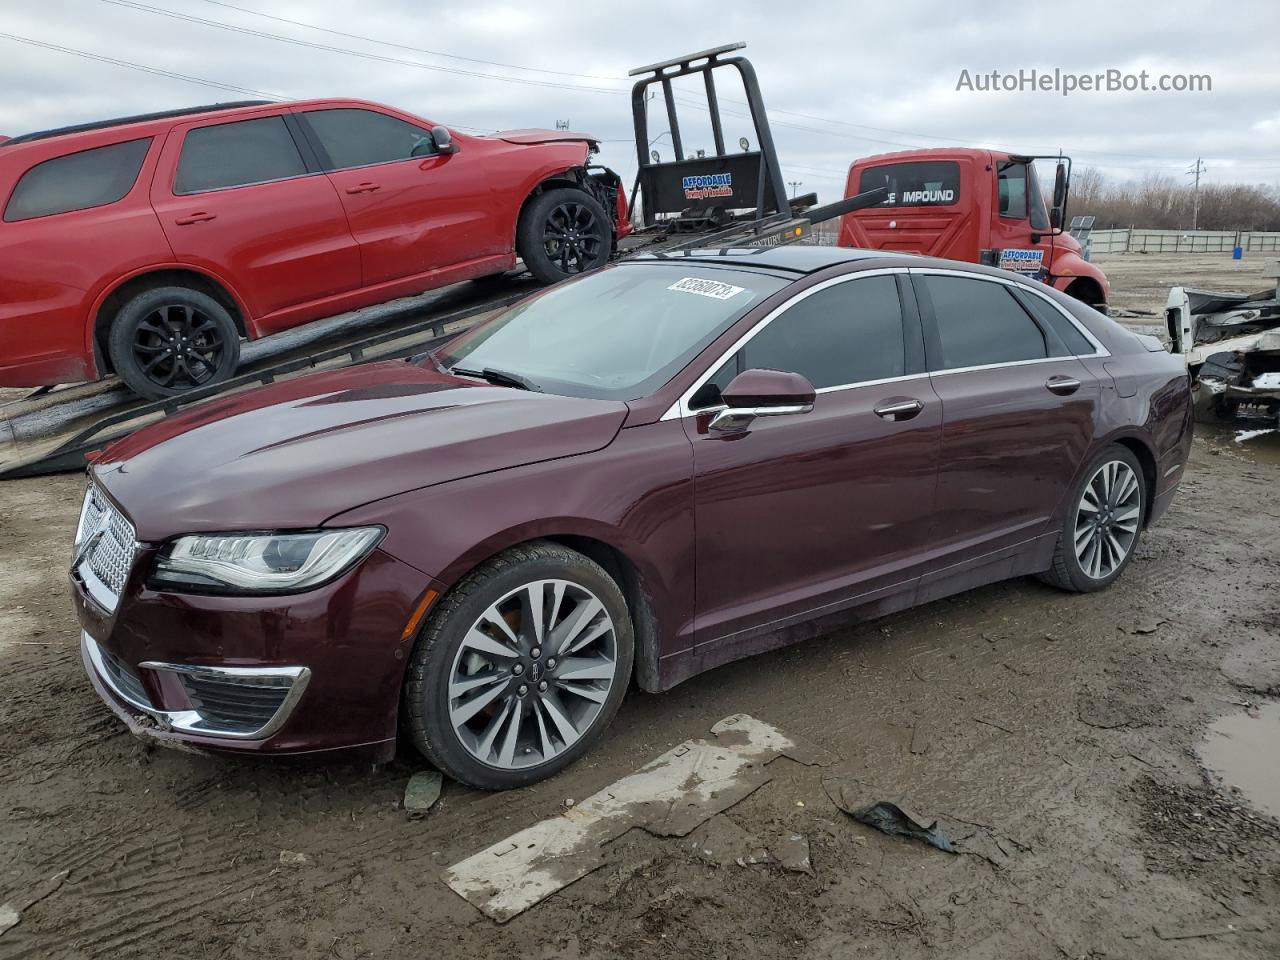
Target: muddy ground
1067,726
1140,282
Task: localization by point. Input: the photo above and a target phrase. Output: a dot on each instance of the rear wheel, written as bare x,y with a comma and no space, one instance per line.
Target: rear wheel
1103,523
521,668
562,233
169,340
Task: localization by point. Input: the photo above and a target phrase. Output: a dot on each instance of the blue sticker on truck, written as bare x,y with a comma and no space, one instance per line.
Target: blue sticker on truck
1021,261
708,185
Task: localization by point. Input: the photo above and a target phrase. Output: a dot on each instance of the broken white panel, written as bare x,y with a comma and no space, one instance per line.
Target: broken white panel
669,796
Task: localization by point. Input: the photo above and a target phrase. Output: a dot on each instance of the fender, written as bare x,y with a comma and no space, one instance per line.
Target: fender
639,579
96,301
1069,265
563,160
1128,432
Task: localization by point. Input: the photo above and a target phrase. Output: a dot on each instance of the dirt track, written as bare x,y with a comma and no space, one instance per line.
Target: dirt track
1065,724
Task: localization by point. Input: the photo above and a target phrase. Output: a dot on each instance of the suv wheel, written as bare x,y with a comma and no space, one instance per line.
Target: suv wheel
169,340
521,668
1103,523
564,232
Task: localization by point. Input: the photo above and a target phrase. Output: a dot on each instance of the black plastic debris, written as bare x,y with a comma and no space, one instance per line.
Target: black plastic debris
892,819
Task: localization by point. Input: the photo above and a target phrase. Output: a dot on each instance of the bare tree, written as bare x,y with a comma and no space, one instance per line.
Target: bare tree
1159,201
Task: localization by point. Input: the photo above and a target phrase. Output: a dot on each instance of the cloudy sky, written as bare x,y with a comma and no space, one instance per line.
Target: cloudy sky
841,79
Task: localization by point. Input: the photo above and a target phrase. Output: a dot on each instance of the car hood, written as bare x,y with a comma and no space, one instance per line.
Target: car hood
293,454
544,136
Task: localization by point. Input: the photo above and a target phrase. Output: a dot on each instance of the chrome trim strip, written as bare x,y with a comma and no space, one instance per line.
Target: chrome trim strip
190,721
680,408
94,654
1008,363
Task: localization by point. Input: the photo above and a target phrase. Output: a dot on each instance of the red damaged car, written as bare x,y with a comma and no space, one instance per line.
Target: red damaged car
647,471
150,246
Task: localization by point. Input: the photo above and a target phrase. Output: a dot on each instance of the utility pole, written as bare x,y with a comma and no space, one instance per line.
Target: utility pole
562,124
1195,171
795,187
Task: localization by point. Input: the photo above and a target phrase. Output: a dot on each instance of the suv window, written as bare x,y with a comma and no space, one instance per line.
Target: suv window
78,181
1011,185
927,183
237,154
848,333
979,322
360,138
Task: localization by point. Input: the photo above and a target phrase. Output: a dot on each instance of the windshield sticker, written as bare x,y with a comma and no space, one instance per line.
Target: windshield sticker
707,288
1021,261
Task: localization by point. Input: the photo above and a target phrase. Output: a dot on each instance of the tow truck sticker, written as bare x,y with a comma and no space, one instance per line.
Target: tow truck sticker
707,288
707,185
1021,261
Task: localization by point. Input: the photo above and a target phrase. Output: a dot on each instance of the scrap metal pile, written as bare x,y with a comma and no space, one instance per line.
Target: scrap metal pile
1231,343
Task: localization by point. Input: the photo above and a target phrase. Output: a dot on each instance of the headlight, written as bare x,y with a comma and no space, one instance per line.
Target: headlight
281,562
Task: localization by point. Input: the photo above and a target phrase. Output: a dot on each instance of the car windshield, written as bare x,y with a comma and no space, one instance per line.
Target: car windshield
616,334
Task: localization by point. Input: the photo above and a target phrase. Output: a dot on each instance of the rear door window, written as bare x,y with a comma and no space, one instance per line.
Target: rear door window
929,183
237,155
362,138
78,181
1048,315
849,333
980,323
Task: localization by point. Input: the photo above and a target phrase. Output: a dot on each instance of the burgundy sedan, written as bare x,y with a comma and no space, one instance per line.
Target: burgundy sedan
648,471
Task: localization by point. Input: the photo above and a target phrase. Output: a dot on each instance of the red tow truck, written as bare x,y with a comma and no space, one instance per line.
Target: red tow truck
980,206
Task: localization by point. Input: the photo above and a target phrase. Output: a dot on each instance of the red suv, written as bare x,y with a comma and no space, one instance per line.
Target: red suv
150,246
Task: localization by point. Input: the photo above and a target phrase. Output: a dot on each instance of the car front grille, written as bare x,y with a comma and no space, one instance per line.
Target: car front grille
236,704
106,563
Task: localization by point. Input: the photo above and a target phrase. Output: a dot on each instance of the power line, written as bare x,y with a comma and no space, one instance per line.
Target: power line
233,88
402,46
215,84
399,61
146,8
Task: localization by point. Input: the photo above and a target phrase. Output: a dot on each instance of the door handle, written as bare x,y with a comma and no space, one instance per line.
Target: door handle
200,217
1062,386
365,187
897,409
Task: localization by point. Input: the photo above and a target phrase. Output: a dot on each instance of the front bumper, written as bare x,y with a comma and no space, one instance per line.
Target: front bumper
310,672
237,703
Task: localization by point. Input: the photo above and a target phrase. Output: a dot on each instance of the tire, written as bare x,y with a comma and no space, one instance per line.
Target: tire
476,645
563,233
1094,566
156,322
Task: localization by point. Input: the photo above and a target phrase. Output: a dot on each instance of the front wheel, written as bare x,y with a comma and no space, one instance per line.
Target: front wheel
1103,523
520,669
168,340
562,233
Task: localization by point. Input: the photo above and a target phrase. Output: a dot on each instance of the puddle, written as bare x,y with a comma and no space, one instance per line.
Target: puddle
1241,749
1255,440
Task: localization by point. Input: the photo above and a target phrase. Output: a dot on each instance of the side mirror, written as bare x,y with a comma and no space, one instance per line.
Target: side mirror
1059,196
762,393
444,141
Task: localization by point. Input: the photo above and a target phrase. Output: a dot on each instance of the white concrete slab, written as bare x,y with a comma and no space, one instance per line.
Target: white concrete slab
669,796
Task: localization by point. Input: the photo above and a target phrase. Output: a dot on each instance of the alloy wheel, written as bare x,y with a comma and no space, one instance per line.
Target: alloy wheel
1107,519
178,347
572,237
532,674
